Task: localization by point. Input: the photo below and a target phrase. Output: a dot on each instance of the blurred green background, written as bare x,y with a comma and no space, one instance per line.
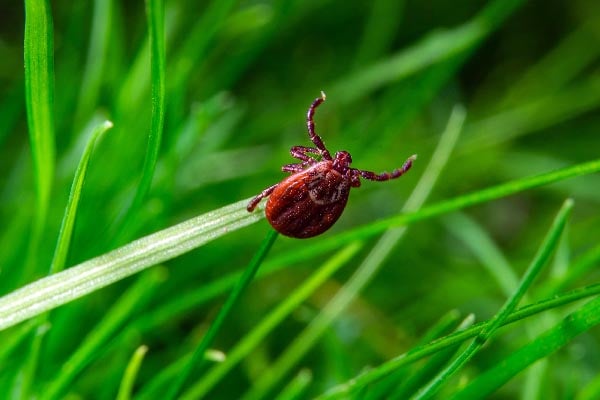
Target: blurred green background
240,76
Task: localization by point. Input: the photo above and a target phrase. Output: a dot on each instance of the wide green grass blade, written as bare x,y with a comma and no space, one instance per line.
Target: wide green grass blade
91,275
155,10
39,99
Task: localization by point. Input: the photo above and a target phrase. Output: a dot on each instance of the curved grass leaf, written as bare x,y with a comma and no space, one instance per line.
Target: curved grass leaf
126,388
66,228
297,386
62,249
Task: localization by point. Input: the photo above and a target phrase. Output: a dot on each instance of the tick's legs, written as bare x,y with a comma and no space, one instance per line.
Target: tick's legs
316,139
265,193
354,177
294,167
301,153
388,175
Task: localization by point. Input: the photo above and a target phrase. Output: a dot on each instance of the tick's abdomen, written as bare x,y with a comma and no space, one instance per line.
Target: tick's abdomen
308,202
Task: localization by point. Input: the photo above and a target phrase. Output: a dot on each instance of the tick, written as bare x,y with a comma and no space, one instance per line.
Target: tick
310,201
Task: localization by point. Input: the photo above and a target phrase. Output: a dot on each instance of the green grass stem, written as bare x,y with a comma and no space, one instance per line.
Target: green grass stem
217,324
39,99
419,352
540,260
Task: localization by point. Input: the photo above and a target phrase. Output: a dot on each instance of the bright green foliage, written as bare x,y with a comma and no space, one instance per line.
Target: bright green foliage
130,268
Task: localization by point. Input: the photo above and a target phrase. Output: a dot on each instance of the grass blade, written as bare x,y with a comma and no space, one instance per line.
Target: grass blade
266,326
309,251
55,290
62,249
39,99
96,60
133,367
66,228
437,47
443,207
155,10
207,340
410,384
297,386
133,299
345,389
540,260
560,335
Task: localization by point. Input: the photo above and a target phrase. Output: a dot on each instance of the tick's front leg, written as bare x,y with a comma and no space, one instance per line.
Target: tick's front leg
397,173
265,193
310,124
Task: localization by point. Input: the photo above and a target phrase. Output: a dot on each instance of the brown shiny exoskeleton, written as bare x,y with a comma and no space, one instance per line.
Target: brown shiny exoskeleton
308,202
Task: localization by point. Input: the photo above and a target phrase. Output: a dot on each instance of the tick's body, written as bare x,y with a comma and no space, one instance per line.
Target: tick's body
311,200
308,202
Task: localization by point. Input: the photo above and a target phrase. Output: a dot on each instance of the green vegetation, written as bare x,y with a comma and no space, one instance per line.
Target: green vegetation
132,136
